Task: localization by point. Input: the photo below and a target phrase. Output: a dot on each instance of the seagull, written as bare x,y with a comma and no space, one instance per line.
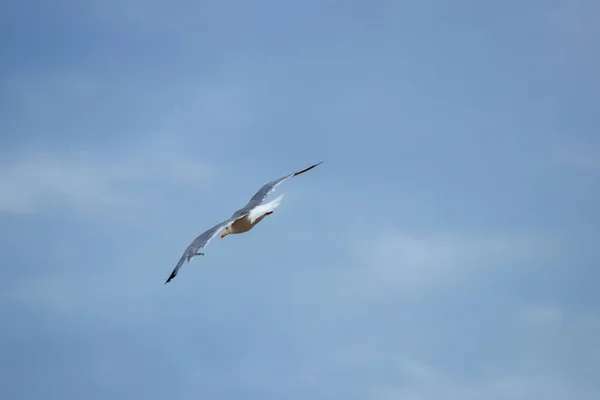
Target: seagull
241,221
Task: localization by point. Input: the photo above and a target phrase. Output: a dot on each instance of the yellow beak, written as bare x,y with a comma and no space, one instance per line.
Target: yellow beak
225,233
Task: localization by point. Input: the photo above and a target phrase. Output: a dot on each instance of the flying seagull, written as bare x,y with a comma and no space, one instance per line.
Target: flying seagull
241,221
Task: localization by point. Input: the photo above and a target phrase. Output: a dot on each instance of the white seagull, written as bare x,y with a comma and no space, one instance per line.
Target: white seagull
241,221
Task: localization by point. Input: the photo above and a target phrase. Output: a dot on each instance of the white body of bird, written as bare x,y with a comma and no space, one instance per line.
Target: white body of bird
256,215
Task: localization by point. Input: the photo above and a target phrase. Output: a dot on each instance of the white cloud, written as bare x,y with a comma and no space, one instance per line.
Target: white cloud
542,315
138,172
80,296
425,382
94,182
502,388
579,157
559,320
418,371
405,260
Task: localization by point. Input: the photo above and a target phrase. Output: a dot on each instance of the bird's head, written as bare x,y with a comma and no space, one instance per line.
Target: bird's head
225,232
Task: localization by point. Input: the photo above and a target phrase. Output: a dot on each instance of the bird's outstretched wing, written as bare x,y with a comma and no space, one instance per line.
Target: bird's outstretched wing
202,240
264,191
197,244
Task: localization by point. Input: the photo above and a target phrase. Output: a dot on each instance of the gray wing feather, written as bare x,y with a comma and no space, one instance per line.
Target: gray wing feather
199,243
264,191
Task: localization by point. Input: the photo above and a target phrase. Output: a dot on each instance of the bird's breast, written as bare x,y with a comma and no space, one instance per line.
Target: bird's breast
244,225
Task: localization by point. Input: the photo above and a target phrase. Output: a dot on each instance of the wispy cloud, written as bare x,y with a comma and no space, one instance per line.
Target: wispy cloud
411,261
572,322
90,182
579,157
427,382
542,315
501,388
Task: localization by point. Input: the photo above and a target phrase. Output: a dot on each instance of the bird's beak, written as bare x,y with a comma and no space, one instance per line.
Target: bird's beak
224,234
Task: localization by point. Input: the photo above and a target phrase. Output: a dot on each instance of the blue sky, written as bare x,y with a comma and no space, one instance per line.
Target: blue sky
446,248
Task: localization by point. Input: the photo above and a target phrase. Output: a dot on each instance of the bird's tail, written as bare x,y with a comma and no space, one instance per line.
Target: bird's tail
272,205
265,208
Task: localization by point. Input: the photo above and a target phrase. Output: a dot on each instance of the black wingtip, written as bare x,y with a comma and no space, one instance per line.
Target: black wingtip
170,277
308,169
